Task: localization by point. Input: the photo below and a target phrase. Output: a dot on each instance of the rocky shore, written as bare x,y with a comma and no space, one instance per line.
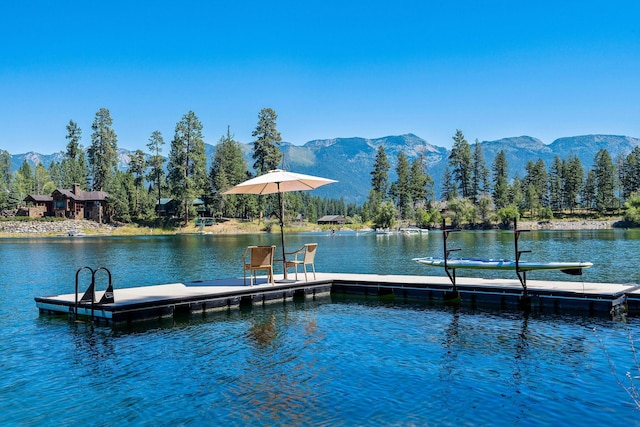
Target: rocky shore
18,228
568,225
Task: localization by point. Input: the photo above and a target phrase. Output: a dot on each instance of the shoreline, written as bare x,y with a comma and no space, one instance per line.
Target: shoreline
26,229
586,224
72,228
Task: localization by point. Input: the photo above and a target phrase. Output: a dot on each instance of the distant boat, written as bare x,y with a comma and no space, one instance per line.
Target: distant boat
383,231
414,231
76,234
574,268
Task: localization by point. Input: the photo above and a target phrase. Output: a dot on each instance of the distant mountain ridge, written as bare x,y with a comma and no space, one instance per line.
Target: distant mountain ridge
351,160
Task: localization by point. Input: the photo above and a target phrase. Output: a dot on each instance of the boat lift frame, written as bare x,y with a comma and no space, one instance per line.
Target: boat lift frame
451,272
522,274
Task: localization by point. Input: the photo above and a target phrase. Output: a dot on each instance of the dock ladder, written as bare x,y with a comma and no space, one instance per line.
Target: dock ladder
89,297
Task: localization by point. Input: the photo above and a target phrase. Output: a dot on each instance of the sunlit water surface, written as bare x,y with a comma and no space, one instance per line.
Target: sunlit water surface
327,362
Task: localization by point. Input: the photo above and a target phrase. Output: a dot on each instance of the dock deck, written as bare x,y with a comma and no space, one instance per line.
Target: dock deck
167,300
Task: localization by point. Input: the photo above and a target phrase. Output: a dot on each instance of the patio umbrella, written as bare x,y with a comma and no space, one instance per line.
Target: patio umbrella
279,181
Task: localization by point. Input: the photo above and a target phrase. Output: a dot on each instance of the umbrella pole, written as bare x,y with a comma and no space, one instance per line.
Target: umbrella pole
284,261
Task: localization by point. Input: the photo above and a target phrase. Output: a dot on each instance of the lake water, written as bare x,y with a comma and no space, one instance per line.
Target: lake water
328,362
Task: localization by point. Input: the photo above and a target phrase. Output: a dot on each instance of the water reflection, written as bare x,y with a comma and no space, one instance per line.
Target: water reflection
263,331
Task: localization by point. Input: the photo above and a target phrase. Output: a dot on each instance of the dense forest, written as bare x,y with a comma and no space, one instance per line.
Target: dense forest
473,193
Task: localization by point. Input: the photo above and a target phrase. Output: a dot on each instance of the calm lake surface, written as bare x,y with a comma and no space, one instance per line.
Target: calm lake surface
332,361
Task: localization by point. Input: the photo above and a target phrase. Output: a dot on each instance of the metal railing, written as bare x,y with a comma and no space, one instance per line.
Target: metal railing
89,297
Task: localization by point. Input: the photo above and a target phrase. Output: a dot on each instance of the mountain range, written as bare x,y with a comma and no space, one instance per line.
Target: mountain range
351,160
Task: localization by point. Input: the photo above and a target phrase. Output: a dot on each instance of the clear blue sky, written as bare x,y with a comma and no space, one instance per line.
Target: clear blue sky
328,68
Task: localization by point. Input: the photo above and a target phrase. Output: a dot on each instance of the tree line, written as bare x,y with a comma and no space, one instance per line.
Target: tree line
471,193
135,193
477,195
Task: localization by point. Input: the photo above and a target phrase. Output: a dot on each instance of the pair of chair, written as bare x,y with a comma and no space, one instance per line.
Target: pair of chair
260,258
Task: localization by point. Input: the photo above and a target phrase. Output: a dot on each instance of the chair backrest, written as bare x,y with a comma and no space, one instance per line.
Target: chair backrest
262,255
310,252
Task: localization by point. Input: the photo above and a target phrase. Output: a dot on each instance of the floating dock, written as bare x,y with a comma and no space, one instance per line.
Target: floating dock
126,305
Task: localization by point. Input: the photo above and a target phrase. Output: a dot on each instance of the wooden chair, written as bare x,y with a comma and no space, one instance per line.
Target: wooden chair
303,256
257,258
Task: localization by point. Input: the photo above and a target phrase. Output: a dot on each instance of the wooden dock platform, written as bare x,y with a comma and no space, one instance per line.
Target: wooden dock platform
167,300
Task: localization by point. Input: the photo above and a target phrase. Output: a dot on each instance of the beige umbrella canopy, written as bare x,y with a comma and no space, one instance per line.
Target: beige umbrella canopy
279,181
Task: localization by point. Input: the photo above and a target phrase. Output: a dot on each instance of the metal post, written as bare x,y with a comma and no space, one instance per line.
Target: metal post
452,274
522,275
284,261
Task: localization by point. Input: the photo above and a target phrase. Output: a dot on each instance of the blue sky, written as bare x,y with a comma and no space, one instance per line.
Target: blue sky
329,69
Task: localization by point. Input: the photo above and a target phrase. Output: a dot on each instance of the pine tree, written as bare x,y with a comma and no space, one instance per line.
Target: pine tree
500,179
156,161
588,192
74,164
535,185
103,152
228,168
449,190
187,163
379,183
266,147
556,180
631,173
402,187
605,181
137,167
420,183
380,173
573,180
461,164
479,174
5,177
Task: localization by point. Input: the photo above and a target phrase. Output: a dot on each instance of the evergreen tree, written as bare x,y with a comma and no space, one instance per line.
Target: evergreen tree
156,161
605,184
74,164
56,174
5,178
266,147
103,152
500,179
556,180
449,190
631,173
479,174
516,196
535,185
573,180
420,183
402,191
461,164
187,163
228,168
121,196
589,191
137,167
380,173
379,183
